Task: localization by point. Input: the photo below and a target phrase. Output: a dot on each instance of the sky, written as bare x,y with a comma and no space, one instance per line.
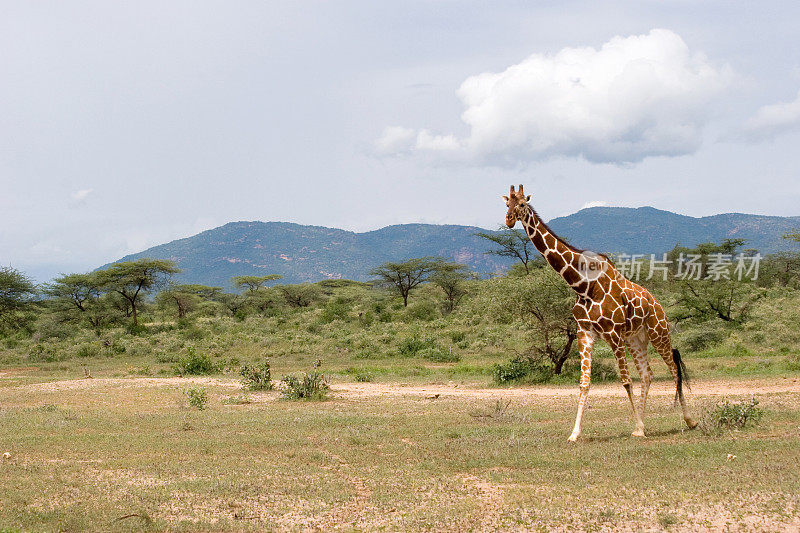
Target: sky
127,125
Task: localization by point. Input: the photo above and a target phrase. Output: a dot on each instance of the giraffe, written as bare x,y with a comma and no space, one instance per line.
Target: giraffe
608,306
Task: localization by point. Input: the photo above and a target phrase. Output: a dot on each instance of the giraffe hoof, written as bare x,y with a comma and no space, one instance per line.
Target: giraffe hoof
572,438
638,433
691,422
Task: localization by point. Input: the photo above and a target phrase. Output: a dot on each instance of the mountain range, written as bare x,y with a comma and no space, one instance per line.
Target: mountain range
313,253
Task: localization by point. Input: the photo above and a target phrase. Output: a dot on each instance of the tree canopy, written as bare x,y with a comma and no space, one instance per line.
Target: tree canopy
513,243
17,293
132,279
406,276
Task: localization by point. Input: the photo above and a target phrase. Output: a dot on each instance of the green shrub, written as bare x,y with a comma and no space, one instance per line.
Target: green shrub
195,364
198,397
257,377
457,336
697,340
731,415
136,329
422,311
411,346
522,369
337,308
41,353
87,350
311,386
115,346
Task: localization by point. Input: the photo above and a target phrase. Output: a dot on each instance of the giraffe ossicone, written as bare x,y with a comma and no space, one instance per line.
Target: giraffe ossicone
608,306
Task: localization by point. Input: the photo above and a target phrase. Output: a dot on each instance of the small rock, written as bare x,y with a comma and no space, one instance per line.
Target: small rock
731,457
6,456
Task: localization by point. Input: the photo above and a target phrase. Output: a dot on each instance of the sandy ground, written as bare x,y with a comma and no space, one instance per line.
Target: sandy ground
438,390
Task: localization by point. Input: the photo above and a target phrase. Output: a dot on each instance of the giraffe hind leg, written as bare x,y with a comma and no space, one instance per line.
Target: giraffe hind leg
662,344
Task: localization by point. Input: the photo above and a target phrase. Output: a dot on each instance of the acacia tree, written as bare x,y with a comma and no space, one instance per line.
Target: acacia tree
132,279
17,292
545,303
512,243
450,277
252,283
301,294
406,276
703,298
80,293
186,298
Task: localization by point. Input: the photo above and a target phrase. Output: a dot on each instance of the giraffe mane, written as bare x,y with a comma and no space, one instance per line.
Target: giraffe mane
565,243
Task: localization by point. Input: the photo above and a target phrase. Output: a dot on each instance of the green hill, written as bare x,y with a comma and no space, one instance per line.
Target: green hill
312,253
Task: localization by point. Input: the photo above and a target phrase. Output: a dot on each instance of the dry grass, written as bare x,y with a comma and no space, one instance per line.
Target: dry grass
130,456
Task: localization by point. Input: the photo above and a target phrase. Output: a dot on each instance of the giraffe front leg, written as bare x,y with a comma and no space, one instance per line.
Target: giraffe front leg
586,341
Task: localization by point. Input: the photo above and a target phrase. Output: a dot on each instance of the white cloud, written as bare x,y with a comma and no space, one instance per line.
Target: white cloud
772,120
399,140
635,97
595,203
427,141
81,195
395,140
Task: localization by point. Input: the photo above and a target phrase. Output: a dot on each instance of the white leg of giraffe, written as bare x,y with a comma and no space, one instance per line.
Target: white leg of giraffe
586,342
638,347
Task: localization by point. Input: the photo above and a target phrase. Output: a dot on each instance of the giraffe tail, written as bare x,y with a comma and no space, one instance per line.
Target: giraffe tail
683,376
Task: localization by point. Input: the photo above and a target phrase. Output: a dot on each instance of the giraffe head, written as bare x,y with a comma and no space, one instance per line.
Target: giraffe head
515,201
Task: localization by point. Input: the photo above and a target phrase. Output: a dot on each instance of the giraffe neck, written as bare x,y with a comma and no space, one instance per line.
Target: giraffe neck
566,260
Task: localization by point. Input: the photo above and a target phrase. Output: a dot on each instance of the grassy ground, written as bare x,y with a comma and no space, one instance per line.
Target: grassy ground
131,455
417,448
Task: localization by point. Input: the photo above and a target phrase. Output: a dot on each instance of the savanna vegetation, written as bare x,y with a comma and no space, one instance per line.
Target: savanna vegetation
213,396
426,318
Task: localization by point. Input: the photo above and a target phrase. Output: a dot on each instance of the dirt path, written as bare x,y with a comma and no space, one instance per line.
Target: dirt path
440,390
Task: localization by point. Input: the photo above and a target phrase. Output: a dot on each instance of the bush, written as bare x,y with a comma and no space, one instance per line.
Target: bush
198,397
413,345
195,364
697,340
312,386
257,377
40,353
87,350
457,336
136,329
522,369
731,415
337,308
424,311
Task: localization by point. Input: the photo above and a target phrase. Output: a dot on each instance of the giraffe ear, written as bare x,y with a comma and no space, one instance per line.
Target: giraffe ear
505,198
528,198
